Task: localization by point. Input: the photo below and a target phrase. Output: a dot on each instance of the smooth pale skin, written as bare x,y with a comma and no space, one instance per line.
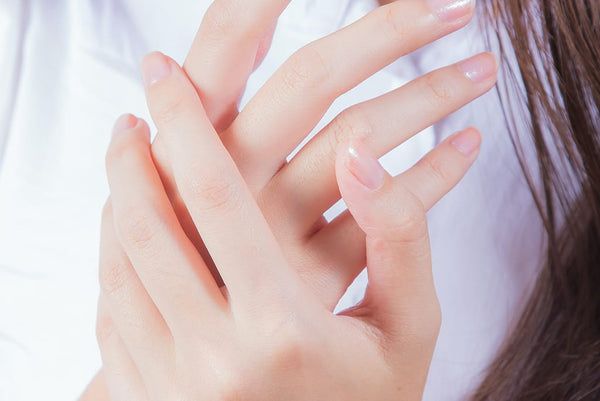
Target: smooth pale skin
154,280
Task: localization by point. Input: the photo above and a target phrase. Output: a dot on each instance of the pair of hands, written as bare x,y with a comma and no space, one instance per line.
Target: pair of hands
213,202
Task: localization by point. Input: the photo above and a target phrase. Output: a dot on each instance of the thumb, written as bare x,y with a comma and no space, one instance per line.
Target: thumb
400,299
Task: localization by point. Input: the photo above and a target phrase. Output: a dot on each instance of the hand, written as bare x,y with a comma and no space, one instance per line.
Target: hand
324,272
294,196
270,337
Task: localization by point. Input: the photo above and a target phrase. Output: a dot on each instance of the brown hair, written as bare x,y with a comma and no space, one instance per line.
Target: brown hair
553,352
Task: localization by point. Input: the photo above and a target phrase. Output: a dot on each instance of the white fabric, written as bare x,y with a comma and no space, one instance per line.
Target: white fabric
70,67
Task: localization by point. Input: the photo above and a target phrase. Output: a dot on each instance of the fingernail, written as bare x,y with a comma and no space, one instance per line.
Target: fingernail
451,10
124,123
467,141
479,68
154,68
364,166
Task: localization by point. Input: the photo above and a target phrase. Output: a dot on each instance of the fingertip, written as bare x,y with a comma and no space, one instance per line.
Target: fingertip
361,180
129,123
124,123
362,164
155,67
467,142
144,128
480,69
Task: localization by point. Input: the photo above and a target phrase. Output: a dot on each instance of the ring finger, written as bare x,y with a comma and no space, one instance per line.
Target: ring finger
140,325
120,373
383,123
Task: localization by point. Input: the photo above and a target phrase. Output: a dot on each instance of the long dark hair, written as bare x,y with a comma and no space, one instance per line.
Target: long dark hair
553,352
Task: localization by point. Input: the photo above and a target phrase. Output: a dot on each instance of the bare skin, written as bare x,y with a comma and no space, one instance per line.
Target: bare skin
323,259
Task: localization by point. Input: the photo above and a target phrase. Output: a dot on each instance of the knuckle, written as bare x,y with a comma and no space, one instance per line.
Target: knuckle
105,329
107,212
169,104
437,91
413,222
225,18
214,193
117,151
436,170
231,384
219,20
289,353
125,146
306,69
113,276
138,229
408,224
289,347
392,23
352,123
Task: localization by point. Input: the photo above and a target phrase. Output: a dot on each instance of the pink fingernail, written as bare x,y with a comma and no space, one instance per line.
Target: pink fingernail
154,68
467,141
451,10
124,123
364,166
479,68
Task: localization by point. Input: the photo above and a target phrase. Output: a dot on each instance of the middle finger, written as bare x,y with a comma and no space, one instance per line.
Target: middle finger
225,50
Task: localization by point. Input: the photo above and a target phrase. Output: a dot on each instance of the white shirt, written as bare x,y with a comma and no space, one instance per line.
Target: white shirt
70,67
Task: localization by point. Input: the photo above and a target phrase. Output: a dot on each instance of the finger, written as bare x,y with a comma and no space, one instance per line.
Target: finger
96,390
441,169
383,124
123,381
340,245
168,265
314,76
400,302
222,208
338,256
138,321
232,39
400,306
163,167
